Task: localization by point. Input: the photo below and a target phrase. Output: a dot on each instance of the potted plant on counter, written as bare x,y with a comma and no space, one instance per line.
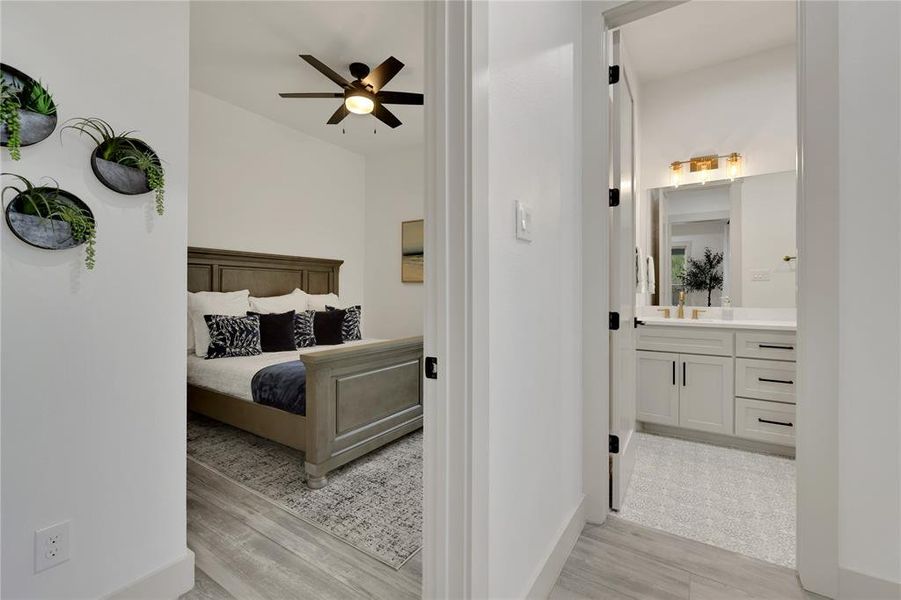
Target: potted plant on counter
27,111
123,163
47,217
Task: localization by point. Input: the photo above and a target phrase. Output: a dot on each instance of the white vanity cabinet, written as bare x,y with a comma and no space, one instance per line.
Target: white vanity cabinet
738,383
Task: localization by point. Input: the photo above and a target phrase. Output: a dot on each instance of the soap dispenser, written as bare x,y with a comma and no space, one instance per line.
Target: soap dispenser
726,303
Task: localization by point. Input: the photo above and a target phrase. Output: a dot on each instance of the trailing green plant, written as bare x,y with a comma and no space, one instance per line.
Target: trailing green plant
47,203
121,148
149,163
37,98
704,274
9,117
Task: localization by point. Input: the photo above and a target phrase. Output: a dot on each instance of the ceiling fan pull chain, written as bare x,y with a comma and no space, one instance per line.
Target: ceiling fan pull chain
342,131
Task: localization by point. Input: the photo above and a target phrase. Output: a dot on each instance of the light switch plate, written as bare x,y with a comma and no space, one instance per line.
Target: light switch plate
523,222
51,546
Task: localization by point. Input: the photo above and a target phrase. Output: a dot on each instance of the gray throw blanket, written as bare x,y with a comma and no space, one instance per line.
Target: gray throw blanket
282,386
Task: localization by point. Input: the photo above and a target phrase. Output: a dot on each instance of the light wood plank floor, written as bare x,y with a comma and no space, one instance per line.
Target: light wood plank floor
622,560
248,548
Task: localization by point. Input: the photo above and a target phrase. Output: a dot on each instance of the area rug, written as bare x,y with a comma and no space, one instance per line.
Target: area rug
373,503
737,500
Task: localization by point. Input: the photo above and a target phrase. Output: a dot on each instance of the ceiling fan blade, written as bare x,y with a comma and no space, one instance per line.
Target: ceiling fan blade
339,115
325,70
399,98
312,95
383,73
385,116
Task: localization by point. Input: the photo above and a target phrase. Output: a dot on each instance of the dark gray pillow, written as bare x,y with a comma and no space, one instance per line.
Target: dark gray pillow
276,331
327,327
233,336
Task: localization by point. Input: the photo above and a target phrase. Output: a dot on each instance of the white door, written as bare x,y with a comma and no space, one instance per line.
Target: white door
706,393
658,389
622,282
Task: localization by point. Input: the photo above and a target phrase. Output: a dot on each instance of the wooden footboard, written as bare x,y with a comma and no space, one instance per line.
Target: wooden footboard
358,399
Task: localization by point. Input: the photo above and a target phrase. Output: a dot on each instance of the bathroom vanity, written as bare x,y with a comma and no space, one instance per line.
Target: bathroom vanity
716,380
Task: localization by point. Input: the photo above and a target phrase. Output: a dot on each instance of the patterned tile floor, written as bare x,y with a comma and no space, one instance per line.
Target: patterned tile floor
737,500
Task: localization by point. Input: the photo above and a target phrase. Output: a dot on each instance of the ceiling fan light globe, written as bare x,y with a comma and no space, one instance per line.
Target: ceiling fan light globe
359,104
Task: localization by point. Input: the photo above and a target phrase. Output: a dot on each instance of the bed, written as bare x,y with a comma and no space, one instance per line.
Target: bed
359,395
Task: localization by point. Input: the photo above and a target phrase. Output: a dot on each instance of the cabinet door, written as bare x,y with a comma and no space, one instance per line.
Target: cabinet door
705,394
658,393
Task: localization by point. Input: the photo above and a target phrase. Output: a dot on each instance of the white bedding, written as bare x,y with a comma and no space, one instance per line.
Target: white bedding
232,376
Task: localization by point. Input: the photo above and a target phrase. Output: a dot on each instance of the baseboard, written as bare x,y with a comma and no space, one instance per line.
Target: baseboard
547,575
718,439
168,582
853,585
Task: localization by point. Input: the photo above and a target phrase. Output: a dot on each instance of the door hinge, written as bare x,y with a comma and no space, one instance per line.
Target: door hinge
613,74
431,367
614,321
614,444
614,197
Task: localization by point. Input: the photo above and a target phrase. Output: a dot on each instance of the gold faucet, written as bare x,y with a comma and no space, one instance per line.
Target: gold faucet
696,312
680,310
665,311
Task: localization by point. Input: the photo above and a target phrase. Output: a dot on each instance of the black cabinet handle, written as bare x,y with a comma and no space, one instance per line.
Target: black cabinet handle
683,374
674,372
775,422
775,347
786,382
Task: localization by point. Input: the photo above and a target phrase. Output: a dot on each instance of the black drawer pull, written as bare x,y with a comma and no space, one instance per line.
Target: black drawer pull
775,422
684,381
775,347
789,382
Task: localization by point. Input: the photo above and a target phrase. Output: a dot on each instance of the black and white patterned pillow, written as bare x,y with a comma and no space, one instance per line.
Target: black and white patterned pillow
303,329
233,336
350,328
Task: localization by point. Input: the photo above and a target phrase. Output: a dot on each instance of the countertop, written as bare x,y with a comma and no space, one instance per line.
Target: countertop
722,324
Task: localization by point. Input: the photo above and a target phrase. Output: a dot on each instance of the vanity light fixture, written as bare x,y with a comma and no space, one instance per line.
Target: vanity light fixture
703,165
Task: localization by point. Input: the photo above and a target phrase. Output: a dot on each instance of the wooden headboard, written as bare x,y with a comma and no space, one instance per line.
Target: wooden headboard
262,274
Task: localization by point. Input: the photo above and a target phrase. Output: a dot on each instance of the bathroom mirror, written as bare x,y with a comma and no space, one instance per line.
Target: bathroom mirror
724,238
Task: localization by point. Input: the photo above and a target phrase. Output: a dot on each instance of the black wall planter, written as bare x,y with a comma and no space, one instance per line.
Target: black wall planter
34,127
49,234
121,178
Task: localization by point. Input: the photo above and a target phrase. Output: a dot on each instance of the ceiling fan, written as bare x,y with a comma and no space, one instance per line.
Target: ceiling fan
364,94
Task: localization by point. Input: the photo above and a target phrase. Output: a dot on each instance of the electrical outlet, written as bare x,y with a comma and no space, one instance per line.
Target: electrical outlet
760,275
51,546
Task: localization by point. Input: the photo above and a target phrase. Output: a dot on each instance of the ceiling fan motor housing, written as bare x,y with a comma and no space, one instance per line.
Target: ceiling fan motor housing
359,70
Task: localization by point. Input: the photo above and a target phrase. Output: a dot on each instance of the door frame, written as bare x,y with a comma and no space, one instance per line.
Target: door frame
817,240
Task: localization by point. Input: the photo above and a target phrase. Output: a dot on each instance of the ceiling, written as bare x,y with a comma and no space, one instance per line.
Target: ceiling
247,52
702,33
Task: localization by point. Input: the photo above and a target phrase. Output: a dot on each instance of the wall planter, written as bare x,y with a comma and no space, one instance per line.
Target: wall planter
27,110
124,164
50,218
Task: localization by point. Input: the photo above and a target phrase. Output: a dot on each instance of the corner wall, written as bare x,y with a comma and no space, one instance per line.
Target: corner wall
93,393
535,412
261,186
395,192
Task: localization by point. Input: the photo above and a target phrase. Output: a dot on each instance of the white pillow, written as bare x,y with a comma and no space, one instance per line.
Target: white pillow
296,301
319,301
235,304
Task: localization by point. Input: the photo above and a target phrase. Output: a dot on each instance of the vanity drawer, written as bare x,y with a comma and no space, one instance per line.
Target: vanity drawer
765,421
765,379
689,340
774,345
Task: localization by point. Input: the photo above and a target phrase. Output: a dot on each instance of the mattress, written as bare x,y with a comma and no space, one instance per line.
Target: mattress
232,376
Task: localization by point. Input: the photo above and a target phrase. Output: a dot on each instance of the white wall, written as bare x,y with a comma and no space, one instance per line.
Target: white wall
768,232
260,186
535,416
746,106
93,393
395,192
869,223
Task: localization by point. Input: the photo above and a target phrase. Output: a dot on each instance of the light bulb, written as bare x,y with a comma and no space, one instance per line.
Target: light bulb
675,174
359,104
734,162
705,175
